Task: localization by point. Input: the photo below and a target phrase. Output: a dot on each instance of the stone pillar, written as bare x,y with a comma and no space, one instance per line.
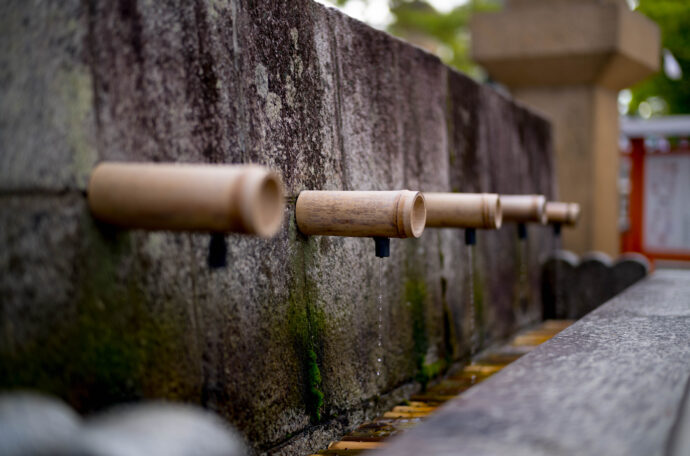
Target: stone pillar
568,59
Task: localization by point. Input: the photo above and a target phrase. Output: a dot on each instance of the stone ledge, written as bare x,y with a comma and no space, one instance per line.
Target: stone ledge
610,384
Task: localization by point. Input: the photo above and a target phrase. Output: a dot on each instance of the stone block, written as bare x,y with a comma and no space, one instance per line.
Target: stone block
593,285
93,314
165,81
572,286
558,285
47,122
628,269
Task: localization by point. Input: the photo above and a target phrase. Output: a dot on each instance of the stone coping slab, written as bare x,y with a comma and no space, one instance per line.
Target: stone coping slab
611,383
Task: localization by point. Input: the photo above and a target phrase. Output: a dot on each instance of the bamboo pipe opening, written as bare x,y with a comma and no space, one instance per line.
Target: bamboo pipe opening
524,208
562,213
270,205
463,210
214,198
397,214
412,213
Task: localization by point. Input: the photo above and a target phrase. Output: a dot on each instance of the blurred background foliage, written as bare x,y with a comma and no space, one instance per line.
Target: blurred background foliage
445,32
666,92
441,32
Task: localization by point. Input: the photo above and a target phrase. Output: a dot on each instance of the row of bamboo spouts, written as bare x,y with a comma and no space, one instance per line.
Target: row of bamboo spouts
250,199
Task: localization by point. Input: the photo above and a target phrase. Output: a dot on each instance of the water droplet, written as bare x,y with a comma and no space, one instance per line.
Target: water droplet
559,304
470,301
523,288
379,344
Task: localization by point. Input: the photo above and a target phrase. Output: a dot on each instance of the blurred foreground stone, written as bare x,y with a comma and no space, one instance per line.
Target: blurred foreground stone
32,424
35,425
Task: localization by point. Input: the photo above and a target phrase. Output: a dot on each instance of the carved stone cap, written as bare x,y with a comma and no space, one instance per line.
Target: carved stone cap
565,42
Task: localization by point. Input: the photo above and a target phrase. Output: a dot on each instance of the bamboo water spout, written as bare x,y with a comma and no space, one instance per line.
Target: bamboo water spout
524,208
382,214
562,213
463,210
214,198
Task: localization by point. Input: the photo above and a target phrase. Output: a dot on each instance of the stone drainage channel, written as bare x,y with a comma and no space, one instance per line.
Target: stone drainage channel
373,435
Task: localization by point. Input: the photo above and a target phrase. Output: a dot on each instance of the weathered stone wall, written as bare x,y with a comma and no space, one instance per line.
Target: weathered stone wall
284,338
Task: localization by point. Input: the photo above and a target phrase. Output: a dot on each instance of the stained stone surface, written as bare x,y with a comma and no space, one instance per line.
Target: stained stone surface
100,316
612,383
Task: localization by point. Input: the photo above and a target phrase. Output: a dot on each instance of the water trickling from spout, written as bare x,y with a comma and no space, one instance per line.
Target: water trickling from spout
558,305
379,301
523,287
470,300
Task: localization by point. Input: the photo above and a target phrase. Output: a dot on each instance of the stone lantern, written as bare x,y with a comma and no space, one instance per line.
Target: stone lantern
568,59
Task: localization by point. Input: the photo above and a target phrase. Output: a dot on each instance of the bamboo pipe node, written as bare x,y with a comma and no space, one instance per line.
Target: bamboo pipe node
391,214
524,208
188,197
562,213
463,210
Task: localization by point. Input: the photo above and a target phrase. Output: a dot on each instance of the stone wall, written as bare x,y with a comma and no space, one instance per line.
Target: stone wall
282,341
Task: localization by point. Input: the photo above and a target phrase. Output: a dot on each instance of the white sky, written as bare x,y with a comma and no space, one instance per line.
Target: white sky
377,14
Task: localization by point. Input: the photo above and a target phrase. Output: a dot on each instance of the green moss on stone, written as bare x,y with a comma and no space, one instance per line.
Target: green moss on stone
430,371
115,348
75,89
415,296
315,400
306,324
